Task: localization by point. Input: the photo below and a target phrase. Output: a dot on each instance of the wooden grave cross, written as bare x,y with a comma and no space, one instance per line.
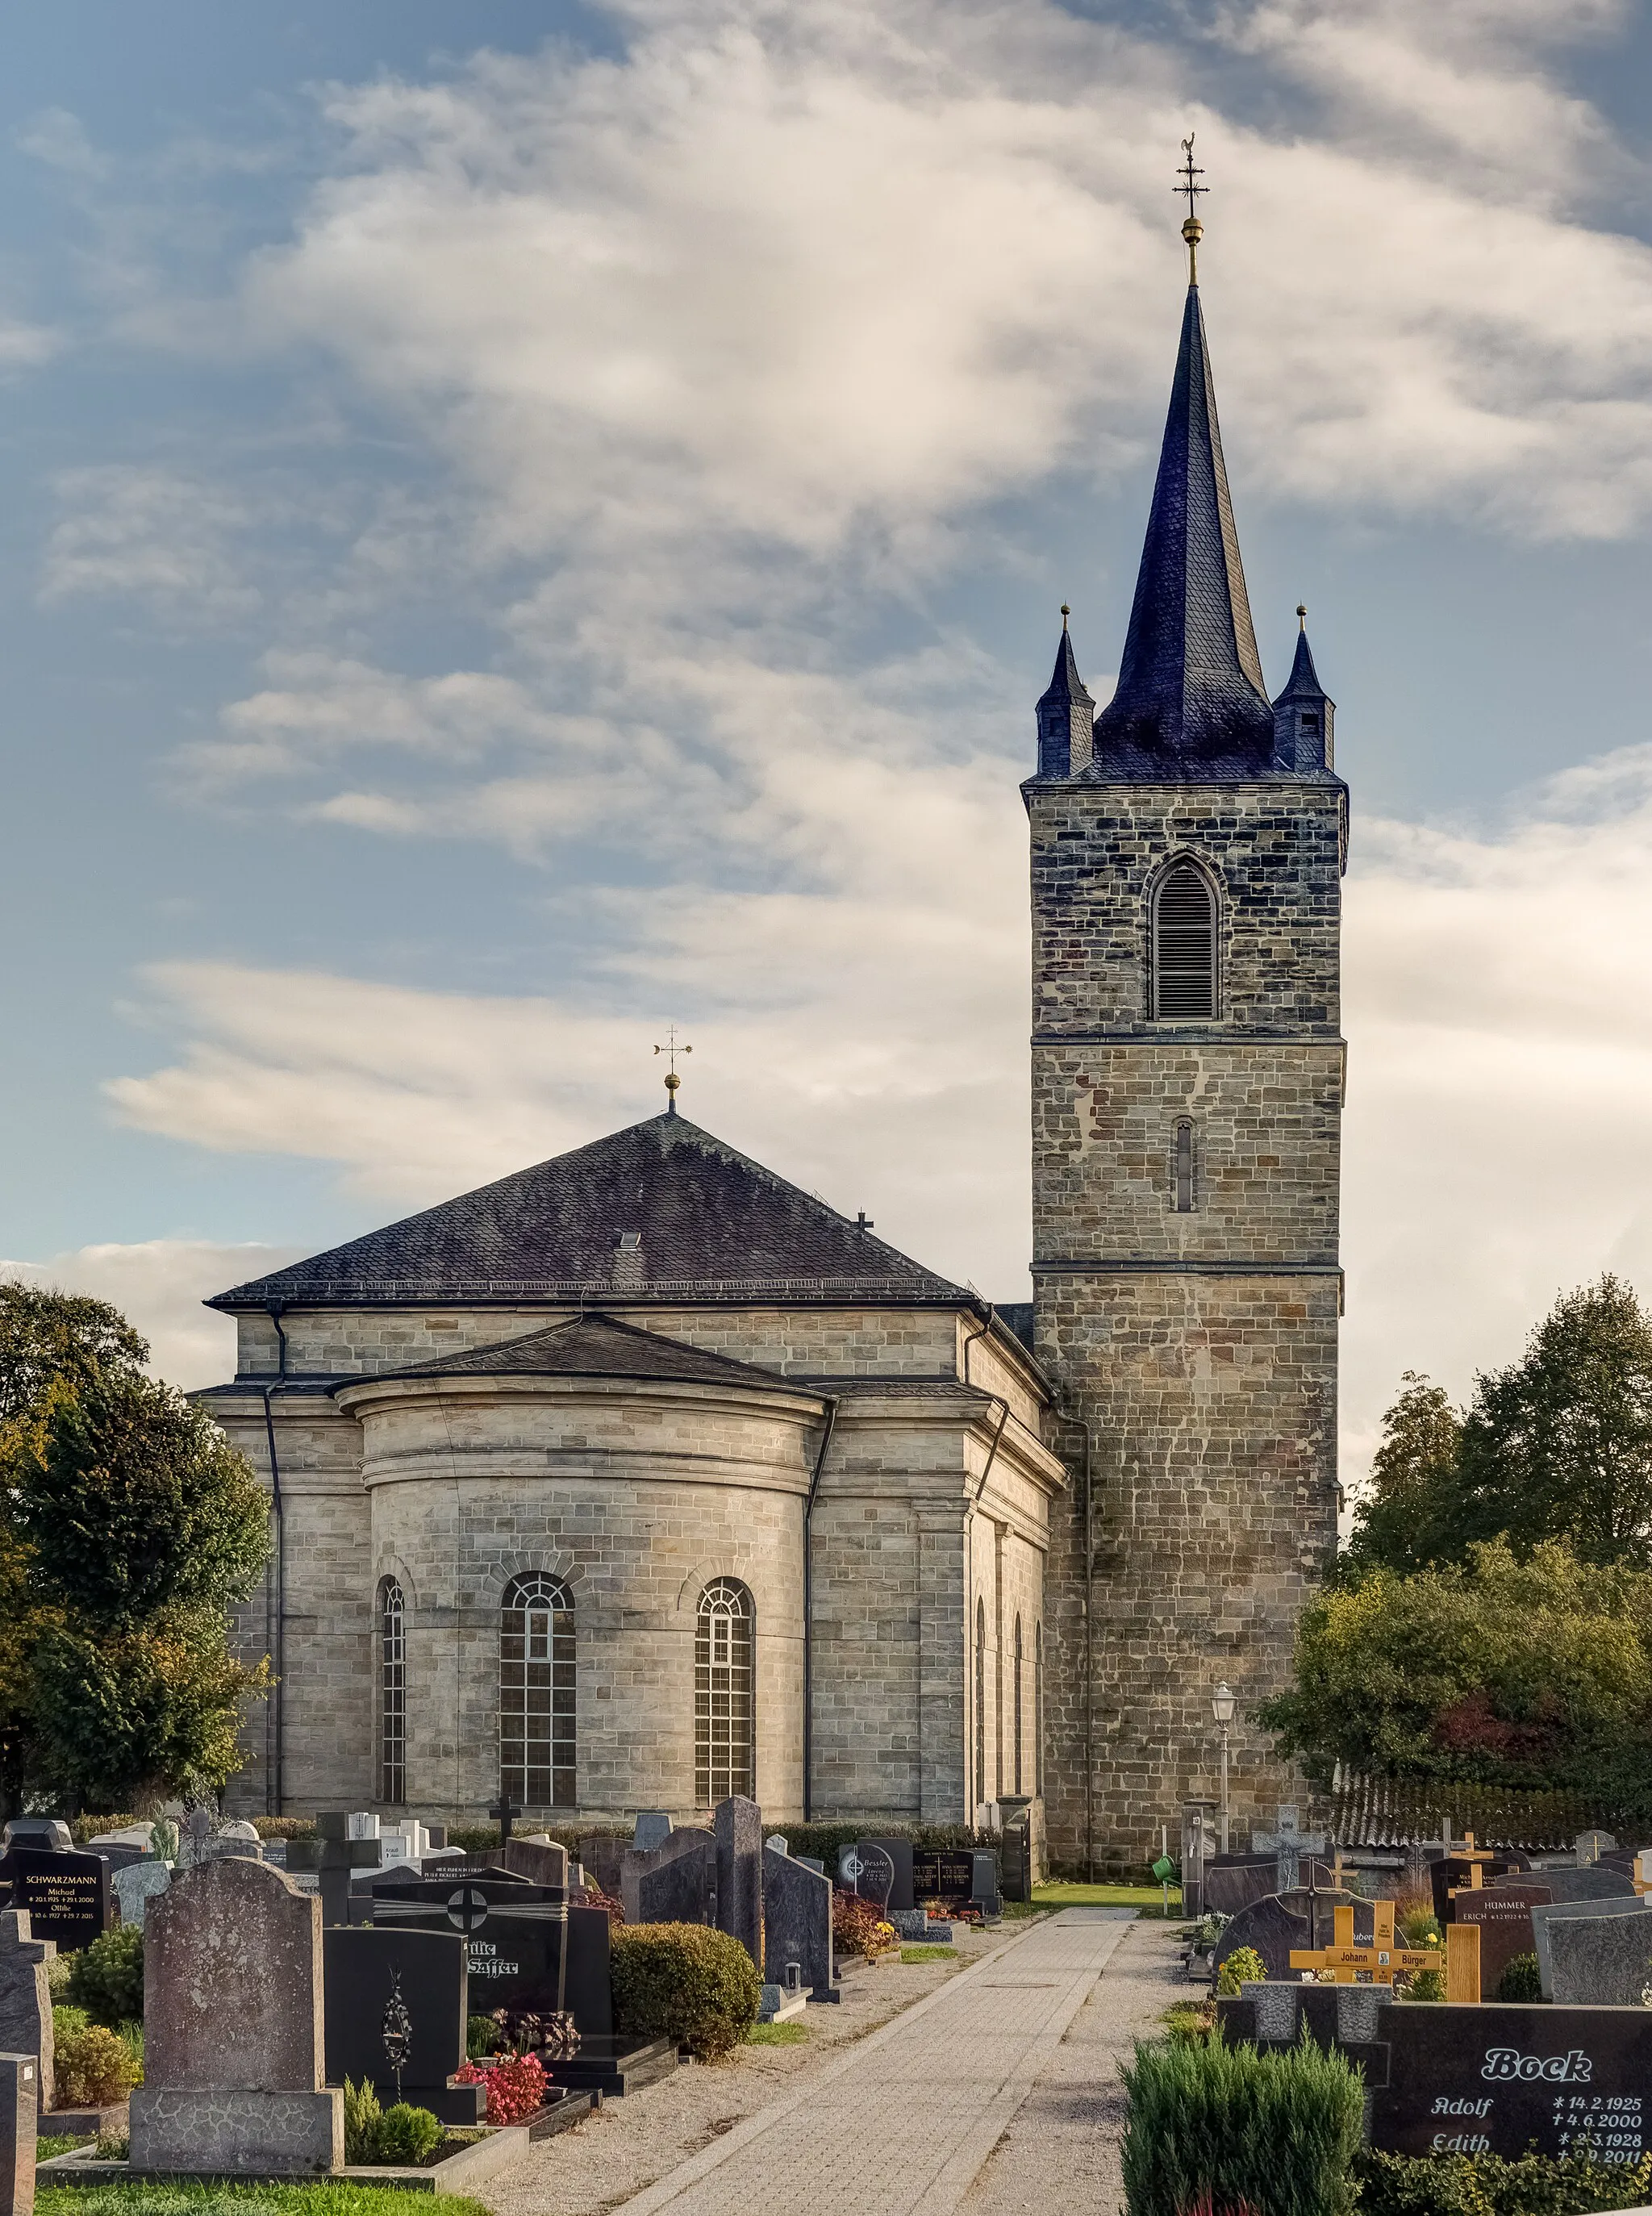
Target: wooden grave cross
1351,1965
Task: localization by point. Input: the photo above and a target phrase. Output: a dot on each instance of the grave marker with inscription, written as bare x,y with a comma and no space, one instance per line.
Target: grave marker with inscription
1503,1914
66,1896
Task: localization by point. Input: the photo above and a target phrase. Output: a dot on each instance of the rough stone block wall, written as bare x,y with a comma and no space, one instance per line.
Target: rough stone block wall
1199,1347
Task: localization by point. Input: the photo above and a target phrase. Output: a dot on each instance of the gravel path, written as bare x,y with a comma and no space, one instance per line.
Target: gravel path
1021,2053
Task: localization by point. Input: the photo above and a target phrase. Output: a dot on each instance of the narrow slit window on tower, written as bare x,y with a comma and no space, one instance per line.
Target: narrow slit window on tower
1184,944
1184,1167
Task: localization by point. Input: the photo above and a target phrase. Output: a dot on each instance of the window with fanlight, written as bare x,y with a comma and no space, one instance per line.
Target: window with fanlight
537,1687
392,1693
724,1693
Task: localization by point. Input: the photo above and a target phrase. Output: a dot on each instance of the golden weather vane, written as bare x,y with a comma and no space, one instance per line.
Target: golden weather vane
671,1049
1192,231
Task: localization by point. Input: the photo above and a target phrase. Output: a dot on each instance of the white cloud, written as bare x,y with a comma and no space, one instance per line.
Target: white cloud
159,1285
172,541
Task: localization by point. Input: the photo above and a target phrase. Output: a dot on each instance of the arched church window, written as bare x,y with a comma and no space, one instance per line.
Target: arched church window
981,1700
392,1693
536,1694
1184,944
724,1672
1038,1708
1017,1697
1183,1166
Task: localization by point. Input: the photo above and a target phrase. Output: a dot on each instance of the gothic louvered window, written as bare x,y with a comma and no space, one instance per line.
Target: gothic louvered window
981,1700
536,1694
392,1694
724,1670
1184,944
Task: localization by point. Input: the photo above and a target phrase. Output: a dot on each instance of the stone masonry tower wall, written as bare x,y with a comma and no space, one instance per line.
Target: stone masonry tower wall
1185,1168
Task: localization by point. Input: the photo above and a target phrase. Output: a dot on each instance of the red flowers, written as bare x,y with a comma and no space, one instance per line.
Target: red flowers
516,2087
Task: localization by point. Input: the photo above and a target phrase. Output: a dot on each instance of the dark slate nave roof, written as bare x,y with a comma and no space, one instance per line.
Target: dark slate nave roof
713,1223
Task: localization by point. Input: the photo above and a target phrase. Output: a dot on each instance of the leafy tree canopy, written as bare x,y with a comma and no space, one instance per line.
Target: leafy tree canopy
1529,1673
1558,1445
53,1345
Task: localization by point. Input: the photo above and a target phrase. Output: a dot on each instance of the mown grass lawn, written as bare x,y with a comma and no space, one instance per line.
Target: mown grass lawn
1147,1898
149,2198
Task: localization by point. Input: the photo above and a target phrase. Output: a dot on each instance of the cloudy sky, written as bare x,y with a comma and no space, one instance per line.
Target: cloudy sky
522,523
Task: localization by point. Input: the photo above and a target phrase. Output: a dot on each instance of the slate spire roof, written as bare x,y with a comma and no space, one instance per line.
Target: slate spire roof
1065,715
660,1210
1190,692
1304,681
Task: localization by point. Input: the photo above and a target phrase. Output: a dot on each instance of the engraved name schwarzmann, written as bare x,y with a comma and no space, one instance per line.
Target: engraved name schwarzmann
1573,2069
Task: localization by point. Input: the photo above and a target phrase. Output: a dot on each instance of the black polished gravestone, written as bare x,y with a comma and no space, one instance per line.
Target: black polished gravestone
395,1994
947,1876
67,1895
900,1852
1452,1871
871,1871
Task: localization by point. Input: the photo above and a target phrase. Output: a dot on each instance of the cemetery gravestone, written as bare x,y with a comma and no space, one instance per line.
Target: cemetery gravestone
527,1948
26,1998
1597,1882
900,1852
333,1854
1503,1912
48,1833
738,1828
1287,1843
1454,1872
1600,1961
947,1876
66,1896
20,2086
984,1885
653,1828
540,1864
604,1856
233,2033
872,1874
1017,1855
797,1925
367,1973
1589,1846
671,1883
1234,1881
136,1886
1561,1911
1284,1921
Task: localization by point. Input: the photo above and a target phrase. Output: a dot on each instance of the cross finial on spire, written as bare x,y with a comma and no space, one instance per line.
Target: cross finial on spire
1192,231
671,1049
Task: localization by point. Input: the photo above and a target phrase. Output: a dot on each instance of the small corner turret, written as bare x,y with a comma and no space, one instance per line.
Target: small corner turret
1066,714
1304,714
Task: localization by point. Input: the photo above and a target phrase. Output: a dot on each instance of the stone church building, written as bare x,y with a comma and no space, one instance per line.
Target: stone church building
641,1476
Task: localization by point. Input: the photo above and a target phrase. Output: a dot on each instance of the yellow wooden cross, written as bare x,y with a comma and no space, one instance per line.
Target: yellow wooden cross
1378,1962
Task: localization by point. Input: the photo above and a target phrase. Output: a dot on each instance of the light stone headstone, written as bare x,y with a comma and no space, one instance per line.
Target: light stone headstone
237,1838
234,2047
362,1824
136,1886
25,1997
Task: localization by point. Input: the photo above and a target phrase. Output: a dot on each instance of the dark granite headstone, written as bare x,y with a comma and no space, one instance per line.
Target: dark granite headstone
672,1883
1594,1883
1600,1961
1564,1911
66,1895
603,1854
947,1875
1284,1920
1491,2079
367,1971
20,2086
26,1998
653,1828
873,1871
797,1923
49,1833
1503,1912
1452,1871
738,1829
1233,1881
900,1852
984,1884
527,1948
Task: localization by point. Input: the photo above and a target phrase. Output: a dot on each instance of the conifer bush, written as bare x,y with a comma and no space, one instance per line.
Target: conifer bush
1224,2126
686,1983
106,1978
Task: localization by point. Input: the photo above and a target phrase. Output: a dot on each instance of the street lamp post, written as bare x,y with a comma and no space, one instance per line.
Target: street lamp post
1222,1706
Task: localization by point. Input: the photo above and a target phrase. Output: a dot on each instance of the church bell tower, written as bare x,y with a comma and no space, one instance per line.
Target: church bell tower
1188,847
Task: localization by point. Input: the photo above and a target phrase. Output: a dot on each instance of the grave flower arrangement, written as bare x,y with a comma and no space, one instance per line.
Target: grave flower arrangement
516,2086
857,1928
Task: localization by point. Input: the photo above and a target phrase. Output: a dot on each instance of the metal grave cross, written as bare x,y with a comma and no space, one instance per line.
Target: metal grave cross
1290,1845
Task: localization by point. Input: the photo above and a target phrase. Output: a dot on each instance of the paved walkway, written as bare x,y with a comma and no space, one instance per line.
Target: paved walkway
902,2124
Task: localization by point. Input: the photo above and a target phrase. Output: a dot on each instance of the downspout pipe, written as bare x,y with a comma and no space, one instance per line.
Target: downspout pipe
808,1609
1003,1407
276,1612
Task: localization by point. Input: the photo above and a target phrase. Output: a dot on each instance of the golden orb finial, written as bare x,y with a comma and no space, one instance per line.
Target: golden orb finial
1065,613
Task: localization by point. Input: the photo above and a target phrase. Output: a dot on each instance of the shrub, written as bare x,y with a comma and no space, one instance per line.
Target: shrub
362,2117
283,1827
483,2037
66,2021
683,1982
1521,1980
1244,1966
106,1978
1417,1923
94,2066
1421,1985
405,2134
516,2087
1489,2185
1233,2125
857,1928
130,2036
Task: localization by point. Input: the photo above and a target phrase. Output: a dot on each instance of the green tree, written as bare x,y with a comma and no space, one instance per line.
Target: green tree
1403,1521
1534,1673
128,1527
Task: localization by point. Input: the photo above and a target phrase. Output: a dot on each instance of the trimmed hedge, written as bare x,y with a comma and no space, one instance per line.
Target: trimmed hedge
686,1983
1225,2126
1488,2185
106,1978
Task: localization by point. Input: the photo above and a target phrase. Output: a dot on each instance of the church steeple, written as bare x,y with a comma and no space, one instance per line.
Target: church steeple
1304,714
1066,714
1190,685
